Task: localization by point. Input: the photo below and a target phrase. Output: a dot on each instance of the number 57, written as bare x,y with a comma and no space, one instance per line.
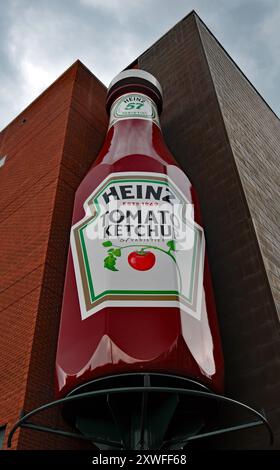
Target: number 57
130,106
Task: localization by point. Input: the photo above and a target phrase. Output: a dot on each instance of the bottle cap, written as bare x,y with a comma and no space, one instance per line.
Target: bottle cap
134,80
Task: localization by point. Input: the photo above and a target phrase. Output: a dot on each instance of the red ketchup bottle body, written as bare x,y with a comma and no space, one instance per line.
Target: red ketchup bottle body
120,311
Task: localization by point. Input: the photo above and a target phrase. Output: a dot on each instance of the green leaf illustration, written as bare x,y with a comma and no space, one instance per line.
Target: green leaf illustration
108,243
117,252
171,245
110,262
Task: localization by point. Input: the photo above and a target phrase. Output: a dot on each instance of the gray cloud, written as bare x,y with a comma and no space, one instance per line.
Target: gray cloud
39,39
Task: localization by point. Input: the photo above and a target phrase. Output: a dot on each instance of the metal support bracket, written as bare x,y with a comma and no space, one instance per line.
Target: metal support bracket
148,430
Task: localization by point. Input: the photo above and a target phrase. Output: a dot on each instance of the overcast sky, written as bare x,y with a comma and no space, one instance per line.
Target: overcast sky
41,38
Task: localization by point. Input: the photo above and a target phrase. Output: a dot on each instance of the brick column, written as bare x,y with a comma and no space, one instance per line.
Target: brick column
227,140
49,148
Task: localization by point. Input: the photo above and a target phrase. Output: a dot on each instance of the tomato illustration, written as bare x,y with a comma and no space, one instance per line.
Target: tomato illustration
141,260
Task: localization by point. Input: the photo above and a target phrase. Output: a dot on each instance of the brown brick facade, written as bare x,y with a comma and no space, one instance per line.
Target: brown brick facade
227,140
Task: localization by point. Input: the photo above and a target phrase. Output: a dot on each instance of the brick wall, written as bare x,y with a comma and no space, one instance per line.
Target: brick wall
49,149
226,139
253,131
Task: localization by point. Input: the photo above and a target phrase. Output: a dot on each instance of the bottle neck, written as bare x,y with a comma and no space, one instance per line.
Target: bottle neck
134,131
133,107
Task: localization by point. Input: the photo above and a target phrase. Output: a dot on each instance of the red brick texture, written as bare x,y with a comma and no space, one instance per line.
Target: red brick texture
228,140
47,156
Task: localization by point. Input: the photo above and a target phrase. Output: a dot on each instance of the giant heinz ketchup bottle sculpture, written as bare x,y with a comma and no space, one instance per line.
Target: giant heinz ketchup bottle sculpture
138,295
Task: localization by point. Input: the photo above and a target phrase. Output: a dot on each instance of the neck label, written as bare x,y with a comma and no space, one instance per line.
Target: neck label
134,106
